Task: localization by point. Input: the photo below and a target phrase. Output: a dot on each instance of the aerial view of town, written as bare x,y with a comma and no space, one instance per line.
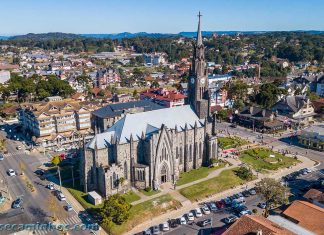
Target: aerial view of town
162,117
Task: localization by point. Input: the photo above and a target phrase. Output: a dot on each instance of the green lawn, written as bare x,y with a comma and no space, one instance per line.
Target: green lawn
150,193
260,160
231,142
202,172
131,197
145,211
225,180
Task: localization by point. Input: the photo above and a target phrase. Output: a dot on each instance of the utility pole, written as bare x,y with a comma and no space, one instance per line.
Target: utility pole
59,172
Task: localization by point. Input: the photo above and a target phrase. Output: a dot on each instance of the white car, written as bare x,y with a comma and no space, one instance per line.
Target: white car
50,186
198,212
308,170
11,172
252,191
190,216
247,212
183,220
165,227
61,197
205,210
1,157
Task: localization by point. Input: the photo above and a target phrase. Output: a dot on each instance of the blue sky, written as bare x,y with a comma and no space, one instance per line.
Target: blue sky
166,16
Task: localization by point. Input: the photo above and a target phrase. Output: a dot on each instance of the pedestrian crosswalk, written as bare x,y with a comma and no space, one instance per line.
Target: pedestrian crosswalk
69,220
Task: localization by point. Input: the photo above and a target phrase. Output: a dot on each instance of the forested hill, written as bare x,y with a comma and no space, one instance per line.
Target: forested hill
46,36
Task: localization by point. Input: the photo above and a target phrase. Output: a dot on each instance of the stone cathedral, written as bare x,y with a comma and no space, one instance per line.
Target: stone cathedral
151,148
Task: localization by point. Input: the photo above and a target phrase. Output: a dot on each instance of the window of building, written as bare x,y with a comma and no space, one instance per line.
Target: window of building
190,153
125,171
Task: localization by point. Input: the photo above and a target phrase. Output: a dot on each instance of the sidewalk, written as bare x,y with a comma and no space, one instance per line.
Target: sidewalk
305,163
169,189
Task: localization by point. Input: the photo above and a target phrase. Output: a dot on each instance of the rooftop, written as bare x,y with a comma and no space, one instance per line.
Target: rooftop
314,219
145,123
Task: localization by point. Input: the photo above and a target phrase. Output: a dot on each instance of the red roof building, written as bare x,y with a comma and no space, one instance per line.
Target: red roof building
164,97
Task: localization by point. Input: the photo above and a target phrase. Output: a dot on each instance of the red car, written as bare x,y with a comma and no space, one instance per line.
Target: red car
220,204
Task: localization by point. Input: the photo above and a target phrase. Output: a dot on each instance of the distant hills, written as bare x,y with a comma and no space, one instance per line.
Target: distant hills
57,35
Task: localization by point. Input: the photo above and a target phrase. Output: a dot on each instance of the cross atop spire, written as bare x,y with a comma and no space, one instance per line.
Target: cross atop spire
199,37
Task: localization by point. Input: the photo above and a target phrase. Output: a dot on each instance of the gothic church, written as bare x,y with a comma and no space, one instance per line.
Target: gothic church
152,148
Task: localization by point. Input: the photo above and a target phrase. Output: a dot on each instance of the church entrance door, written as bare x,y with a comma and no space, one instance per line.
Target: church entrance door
164,174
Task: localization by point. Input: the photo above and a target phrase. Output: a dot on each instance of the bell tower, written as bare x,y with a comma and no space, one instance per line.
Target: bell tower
198,78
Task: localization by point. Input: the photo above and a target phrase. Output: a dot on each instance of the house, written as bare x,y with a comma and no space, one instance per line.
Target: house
318,106
100,93
154,59
298,109
79,96
315,196
258,119
306,215
312,137
163,97
256,224
105,117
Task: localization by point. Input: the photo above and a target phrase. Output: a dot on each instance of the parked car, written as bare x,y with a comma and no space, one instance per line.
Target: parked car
61,196
147,232
309,170
227,201
165,227
220,205
50,186
245,212
68,207
246,193
18,147
230,219
198,212
182,220
213,207
11,172
39,172
190,216
205,210
156,230
205,222
1,157
173,223
252,191
262,205
17,203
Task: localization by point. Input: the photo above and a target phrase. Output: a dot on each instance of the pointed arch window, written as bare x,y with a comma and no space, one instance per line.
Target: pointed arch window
125,171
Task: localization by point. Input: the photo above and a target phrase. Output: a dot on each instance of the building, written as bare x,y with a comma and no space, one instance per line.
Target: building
298,109
4,76
105,117
315,196
320,86
148,149
163,97
312,137
105,77
306,215
258,119
154,59
54,123
256,224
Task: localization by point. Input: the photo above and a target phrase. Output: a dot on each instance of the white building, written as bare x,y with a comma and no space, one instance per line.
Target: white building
4,76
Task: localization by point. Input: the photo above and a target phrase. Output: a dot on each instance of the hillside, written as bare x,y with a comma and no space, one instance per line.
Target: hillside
46,36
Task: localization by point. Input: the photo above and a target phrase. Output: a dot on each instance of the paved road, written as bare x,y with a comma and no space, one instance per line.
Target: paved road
35,204
284,142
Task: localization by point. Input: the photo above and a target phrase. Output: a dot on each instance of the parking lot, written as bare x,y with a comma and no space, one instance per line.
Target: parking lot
201,223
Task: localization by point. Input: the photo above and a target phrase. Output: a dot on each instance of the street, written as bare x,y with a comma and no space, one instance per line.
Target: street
35,207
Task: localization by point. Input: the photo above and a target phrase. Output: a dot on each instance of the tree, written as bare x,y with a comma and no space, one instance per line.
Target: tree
116,209
155,84
56,160
269,94
222,114
272,192
244,173
238,104
238,90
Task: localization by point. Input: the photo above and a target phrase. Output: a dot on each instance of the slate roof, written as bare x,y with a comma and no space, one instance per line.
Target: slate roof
114,110
294,103
146,123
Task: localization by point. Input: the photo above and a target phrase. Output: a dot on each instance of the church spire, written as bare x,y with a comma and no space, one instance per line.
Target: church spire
199,36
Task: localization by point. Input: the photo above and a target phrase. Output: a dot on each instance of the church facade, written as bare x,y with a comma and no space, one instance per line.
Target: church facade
152,148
